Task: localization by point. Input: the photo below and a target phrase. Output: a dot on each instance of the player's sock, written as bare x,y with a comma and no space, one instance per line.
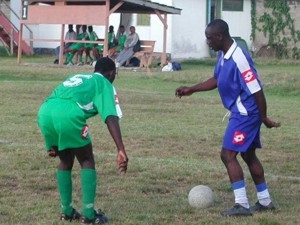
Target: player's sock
263,194
70,58
64,183
88,185
240,195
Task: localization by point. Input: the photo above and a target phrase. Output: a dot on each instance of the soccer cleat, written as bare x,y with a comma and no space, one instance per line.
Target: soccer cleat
259,207
99,218
237,210
55,61
75,216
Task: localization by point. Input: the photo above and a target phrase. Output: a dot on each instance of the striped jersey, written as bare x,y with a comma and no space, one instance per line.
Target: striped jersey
237,80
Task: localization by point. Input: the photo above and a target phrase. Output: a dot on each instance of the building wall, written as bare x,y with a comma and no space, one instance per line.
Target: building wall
239,22
261,41
155,30
188,30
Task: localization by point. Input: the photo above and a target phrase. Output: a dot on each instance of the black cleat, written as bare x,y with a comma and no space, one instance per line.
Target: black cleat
237,210
75,216
259,207
99,218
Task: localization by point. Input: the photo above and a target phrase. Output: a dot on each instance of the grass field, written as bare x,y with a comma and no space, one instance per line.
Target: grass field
173,145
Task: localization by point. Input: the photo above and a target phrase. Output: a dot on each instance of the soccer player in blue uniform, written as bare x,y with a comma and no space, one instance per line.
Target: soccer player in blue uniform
241,92
62,119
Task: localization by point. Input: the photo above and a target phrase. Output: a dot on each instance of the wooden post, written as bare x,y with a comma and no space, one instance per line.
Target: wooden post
164,21
105,47
62,44
164,55
11,41
20,43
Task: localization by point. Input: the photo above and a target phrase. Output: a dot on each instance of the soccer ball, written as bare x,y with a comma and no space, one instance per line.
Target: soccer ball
201,196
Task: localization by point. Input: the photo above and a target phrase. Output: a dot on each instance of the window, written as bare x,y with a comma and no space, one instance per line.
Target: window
143,20
233,5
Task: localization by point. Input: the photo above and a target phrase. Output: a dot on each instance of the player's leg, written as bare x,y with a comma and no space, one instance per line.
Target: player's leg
236,176
86,160
257,173
234,142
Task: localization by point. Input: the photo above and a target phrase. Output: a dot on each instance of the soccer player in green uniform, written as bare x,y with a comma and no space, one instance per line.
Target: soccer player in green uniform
77,47
111,37
120,46
90,46
62,120
111,43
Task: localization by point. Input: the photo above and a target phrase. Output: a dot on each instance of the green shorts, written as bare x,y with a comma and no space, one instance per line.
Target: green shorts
99,48
77,46
63,124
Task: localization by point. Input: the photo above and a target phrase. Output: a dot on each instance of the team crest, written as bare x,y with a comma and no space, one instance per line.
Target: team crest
248,76
239,138
85,132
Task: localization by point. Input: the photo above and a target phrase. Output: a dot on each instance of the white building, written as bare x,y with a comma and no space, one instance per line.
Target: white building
185,36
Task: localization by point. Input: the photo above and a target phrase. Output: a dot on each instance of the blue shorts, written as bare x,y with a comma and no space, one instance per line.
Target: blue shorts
242,133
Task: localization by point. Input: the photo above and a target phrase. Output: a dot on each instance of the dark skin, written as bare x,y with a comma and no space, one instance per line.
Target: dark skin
218,41
85,154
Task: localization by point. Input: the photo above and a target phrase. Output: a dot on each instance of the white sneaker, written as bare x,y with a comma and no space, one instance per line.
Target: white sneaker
117,64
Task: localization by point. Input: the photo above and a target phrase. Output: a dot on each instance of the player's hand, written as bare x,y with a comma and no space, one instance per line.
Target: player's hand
52,152
270,123
122,161
183,91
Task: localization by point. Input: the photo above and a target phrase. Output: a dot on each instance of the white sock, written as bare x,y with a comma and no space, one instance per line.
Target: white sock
264,197
241,197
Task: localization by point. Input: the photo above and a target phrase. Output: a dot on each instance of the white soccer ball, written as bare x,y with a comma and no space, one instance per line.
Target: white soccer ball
201,196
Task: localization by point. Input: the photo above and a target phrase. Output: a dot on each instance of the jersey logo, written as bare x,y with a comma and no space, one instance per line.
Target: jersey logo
85,132
117,99
239,138
248,76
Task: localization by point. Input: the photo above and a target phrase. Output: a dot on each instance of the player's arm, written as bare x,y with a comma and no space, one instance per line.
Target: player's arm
262,107
113,126
207,85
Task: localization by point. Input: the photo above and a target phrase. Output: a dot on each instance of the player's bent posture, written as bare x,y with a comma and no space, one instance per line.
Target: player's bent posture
241,92
62,120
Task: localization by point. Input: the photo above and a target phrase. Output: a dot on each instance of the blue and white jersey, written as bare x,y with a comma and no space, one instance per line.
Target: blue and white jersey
237,81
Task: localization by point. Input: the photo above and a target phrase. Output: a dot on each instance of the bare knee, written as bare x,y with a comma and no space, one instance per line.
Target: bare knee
228,156
250,156
66,159
85,157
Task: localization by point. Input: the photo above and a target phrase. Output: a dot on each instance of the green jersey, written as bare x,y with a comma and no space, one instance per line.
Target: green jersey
122,40
92,92
111,40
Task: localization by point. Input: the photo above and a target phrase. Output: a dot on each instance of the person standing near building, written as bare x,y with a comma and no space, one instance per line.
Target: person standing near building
62,120
242,94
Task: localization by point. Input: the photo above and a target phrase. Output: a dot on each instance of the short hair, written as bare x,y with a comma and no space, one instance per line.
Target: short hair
104,65
220,27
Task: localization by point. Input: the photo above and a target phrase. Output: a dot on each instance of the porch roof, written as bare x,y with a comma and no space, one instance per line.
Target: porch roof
129,6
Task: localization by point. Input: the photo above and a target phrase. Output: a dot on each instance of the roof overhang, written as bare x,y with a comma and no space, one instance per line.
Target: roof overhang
128,6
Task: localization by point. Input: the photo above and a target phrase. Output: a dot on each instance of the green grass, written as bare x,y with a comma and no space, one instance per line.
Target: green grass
173,145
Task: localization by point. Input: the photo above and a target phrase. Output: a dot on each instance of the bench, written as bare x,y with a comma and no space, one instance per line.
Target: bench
145,54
